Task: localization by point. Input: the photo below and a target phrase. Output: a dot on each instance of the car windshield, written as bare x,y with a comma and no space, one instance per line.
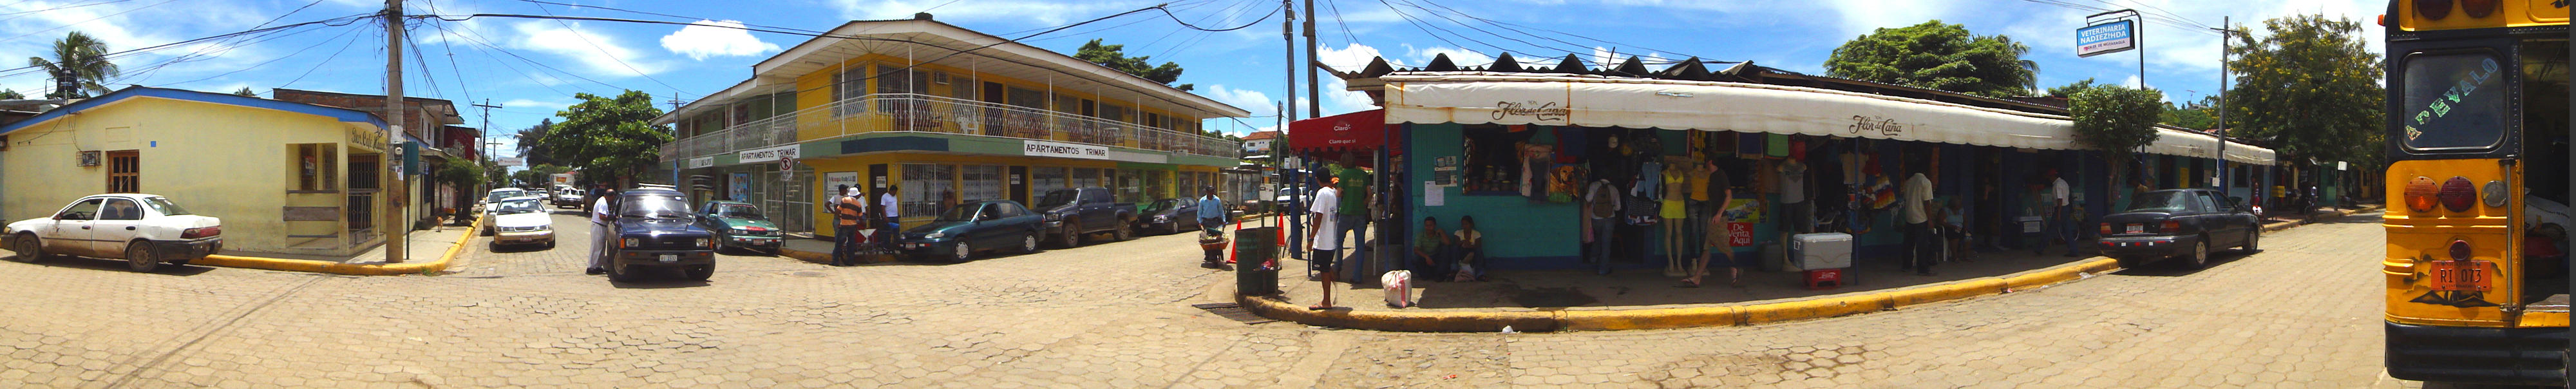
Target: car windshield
2161,202
1162,205
163,205
1056,198
497,195
653,206
517,206
960,213
738,210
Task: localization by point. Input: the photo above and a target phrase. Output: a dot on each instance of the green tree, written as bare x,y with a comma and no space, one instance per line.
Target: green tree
2310,88
609,139
81,59
245,91
2197,115
537,175
2117,121
2069,90
1115,57
11,94
533,146
1939,56
459,172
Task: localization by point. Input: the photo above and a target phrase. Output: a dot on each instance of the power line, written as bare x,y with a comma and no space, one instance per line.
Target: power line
23,70
324,41
603,51
452,35
326,61
19,14
87,21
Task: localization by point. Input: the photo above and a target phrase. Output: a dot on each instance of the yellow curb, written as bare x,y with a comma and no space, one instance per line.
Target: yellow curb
1816,308
1946,292
1633,319
304,265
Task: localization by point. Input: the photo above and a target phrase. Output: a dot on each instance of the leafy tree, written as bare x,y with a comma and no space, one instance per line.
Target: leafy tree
11,94
2198,115
2117,121
1939,56
2310,88
81,59
2069,90
245,91
532,143
537,175
608,138
460,172
1114,57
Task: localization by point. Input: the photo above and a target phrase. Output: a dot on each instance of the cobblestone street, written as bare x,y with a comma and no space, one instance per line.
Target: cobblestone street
2305,313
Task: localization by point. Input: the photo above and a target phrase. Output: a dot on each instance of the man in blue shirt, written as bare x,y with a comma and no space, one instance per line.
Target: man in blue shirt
1211,211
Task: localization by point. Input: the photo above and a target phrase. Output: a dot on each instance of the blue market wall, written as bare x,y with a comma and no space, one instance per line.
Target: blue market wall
1519,234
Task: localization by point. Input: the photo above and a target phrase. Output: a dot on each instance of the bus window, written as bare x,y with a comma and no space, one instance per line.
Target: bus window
2453,101
2544,118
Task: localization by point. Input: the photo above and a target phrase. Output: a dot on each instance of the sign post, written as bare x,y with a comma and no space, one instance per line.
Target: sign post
2120,34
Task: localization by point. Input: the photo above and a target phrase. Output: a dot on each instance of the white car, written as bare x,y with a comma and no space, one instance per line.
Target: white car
144,230
522,221
483,209
568,198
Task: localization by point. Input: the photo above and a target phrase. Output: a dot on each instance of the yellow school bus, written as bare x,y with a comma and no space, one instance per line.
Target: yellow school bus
2478,152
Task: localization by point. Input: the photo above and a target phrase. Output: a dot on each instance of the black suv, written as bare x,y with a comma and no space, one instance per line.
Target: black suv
655,229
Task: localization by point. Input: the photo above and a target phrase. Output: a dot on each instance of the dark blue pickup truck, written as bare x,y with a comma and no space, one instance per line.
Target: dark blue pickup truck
1074,212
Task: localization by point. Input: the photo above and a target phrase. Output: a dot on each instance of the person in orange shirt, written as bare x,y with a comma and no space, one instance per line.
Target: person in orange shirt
846,212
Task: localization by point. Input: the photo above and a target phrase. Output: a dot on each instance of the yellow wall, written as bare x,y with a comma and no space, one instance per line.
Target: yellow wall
815,90
218,160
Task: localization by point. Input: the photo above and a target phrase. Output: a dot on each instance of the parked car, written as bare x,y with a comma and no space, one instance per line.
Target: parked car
522,221
2178,223
567,198
740,225
962,230
655,229
483,209
144,230
1073,212
1169,216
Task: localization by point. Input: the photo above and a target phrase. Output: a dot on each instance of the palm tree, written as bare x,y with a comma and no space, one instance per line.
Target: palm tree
80,59
245,91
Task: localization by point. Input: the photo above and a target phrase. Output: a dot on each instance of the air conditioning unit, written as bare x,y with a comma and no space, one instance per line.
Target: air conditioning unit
88,158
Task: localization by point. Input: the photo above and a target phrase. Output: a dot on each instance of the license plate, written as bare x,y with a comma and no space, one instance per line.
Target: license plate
670,257
2133,229
2459,275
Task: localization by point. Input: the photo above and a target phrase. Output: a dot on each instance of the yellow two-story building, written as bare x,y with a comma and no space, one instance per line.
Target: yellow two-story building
944,114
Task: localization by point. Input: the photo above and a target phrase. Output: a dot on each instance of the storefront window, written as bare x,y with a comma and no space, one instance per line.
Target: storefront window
1128,187
980,182
1043,178
1157,185
924,185
1083,177
1493,161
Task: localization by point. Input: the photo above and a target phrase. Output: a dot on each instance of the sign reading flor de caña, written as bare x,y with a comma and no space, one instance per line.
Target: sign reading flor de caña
1038,148
2105,38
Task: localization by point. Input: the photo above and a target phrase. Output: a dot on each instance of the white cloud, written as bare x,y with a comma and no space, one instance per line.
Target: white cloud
1862,16
709,38
1349,58
1256,102
534,105
598,52
1044,12
1458,56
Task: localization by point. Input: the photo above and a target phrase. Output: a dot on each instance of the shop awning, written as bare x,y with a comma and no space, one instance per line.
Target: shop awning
1599,101
1363,130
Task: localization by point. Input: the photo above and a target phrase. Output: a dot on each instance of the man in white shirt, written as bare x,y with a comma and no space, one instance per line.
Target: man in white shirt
2061,219
1918,229
603,228
1328,201
893,217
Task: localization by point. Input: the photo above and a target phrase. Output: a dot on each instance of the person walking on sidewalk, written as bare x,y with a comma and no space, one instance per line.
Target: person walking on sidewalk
1353,185
1325,244
893,216
603,227
846,212
1919,244
1716,241
2061,216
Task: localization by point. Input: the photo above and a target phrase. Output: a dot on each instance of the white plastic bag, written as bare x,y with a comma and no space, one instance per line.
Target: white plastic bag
1399,288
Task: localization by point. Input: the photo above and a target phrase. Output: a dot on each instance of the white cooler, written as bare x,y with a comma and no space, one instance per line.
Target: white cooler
1831,250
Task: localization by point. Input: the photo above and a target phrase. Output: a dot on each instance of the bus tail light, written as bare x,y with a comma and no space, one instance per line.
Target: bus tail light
2477,8
2419,194
2433,9
2457,194
2459,250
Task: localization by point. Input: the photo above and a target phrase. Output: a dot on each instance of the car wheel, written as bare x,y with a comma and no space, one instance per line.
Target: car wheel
1173,230
620,273
2199,256
702,272
140,258
2252,238
1029,243
1124,232
550,245
1072,234
2126,262
28,249
964,253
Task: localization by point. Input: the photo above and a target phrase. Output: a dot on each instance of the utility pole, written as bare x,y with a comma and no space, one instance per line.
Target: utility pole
1314,86
396,230
1288,115
490,152
2223,34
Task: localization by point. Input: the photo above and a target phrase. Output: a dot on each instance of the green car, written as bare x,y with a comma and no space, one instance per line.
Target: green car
739,224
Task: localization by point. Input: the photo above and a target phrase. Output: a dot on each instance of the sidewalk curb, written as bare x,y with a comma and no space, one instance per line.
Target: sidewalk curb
303,265
1725,315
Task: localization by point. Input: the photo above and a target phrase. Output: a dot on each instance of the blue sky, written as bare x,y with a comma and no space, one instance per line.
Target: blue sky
532,67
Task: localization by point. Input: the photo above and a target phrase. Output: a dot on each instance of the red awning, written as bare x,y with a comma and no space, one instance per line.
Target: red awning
1356,131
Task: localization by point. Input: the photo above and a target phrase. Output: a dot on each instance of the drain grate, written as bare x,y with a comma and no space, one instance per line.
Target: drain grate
1233,311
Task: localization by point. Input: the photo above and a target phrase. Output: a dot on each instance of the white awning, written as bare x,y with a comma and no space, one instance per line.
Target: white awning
1600,101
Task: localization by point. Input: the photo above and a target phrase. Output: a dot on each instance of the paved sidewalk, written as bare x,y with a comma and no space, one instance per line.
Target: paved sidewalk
424,246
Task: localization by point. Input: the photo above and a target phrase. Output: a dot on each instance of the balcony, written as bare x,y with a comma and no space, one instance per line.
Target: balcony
935,114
